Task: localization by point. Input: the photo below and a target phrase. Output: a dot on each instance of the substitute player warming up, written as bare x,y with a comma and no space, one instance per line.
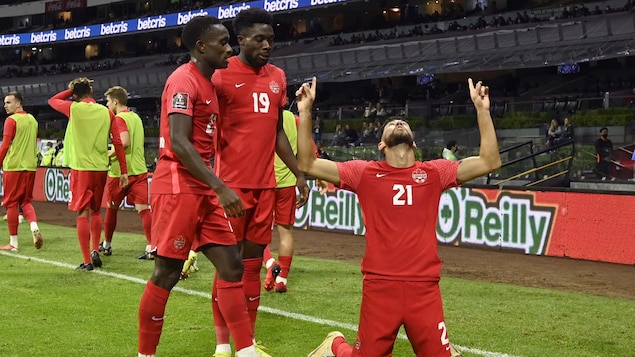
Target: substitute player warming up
18,158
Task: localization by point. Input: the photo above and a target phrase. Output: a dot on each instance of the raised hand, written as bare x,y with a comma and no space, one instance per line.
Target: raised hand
479,95
305,95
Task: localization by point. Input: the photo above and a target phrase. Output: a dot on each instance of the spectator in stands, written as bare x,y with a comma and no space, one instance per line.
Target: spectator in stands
339,137
449,151
381,111
553,133
368,134
370,111
567,130
318,126
350,135
603,151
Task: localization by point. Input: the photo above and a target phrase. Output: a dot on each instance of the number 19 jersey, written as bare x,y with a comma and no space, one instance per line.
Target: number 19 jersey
400,207
250,100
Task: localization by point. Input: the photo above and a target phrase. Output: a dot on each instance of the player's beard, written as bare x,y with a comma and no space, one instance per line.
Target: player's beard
397,138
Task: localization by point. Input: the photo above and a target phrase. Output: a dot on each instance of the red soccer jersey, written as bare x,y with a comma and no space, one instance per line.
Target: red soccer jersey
250,100
187,92
400,207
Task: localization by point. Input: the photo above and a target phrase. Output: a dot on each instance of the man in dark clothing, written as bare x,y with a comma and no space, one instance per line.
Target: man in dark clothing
603,151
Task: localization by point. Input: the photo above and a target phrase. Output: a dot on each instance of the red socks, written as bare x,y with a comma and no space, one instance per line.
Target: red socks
151,311
146,221
231,304
220,325
95,228
285,265
251,286
83,235
110,223
341,348
12,220
29,212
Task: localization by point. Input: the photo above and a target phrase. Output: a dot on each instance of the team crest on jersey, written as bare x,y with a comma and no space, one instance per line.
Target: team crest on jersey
419,175
179,101
274,86
179,242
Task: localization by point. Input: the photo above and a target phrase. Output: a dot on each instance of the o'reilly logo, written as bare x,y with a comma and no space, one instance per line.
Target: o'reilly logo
56,185
514,221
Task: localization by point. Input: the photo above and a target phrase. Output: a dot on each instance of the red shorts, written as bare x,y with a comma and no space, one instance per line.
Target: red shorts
18,187
187,221
257,224
136,192
416,305
87,190
284,211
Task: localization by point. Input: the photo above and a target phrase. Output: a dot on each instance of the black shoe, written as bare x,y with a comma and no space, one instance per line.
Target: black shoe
275,270
95,259
105,251
146,256
87,267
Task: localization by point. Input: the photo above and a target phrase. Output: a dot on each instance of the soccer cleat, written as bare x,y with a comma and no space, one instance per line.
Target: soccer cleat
222,354
260,349
9,247
454,352
281,287
95,259
146,256
325,349
270,279
87,267
105,251
20,219
37,239
189,266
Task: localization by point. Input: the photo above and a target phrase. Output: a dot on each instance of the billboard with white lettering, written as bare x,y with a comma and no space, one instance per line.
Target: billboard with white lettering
153,22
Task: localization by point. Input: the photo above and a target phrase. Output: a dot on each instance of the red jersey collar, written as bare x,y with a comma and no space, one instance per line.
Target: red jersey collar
20,112
194,69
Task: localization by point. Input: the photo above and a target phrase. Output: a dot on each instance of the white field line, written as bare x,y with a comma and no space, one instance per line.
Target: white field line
208,296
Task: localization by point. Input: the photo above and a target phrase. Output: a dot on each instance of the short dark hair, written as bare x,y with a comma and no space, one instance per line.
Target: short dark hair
249,17
17,95
118,93
604,128
450,144
196,27
82,89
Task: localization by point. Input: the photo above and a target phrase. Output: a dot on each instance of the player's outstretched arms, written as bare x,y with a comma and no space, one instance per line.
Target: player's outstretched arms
307,162
488,159
180,132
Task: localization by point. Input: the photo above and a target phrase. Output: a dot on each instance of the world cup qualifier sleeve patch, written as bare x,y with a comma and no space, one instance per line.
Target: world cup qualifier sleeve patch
179,101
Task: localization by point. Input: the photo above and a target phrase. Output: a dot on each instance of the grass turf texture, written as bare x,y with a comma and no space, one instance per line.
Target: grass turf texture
50,310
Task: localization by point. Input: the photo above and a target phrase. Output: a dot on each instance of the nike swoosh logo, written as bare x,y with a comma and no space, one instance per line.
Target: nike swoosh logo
154,318
239,85
380,175
254,298
208,101
447,348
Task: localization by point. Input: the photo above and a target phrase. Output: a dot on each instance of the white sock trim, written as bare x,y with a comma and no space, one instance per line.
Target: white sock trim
227,348
13,240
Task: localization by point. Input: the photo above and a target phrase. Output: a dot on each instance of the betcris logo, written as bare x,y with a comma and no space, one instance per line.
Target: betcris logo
9,40
38,37
281,5
324,2
151,23
76,33
113,28
185,17
231,11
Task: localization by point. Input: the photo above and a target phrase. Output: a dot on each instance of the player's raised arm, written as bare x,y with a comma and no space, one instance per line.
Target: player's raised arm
307,162
488,159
